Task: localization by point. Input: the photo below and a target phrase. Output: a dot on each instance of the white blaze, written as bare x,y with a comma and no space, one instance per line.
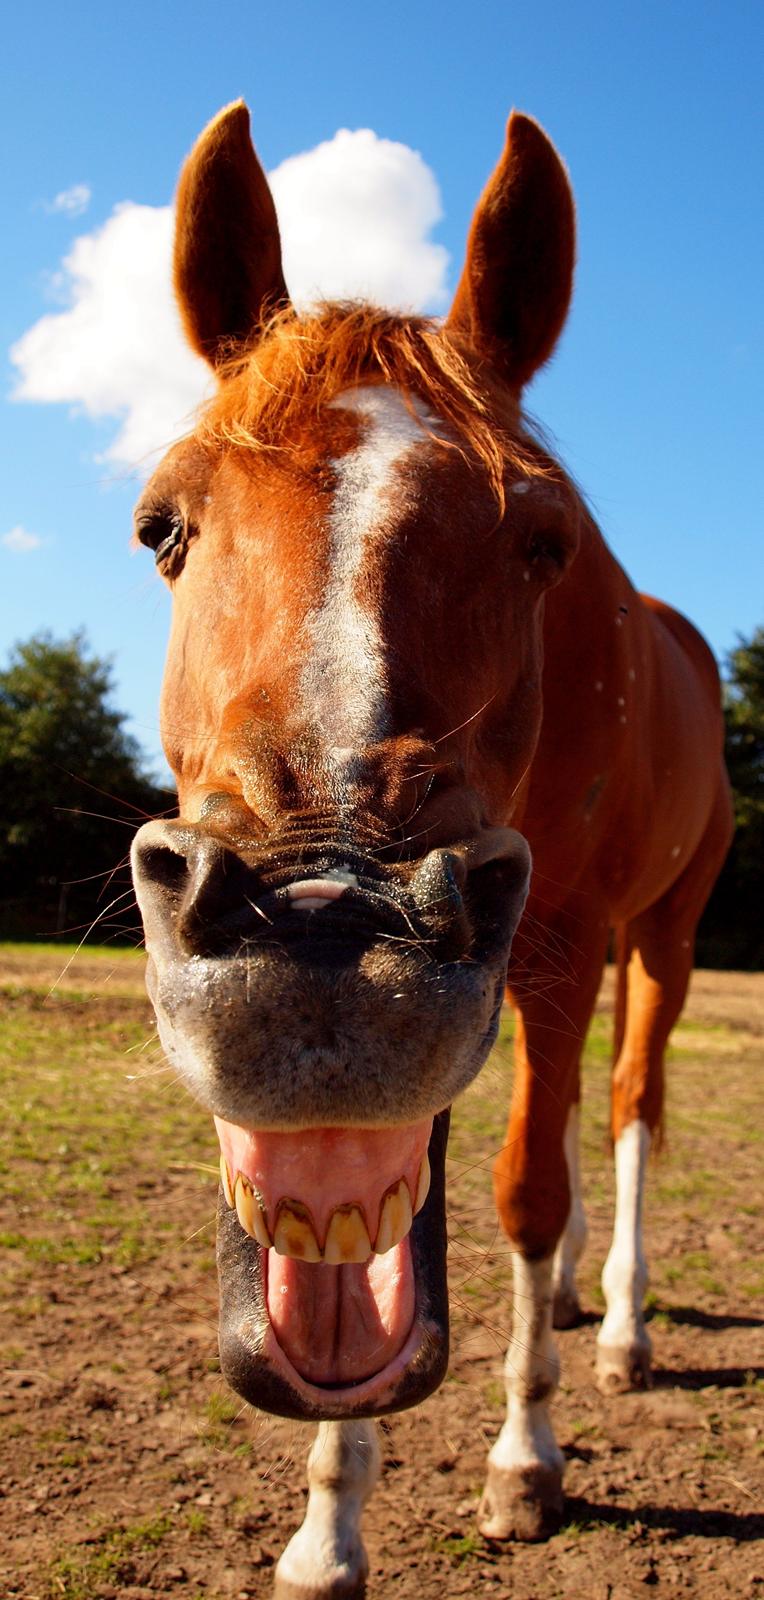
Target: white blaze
344,681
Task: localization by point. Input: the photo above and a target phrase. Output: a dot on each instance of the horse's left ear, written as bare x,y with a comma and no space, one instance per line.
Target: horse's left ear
514,292
227,261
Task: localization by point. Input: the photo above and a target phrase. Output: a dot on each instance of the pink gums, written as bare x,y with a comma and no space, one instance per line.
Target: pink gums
324,1168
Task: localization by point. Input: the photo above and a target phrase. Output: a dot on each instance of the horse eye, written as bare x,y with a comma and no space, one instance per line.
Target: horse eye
162,534
170,542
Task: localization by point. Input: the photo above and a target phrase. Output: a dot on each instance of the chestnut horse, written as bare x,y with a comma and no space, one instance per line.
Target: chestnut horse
401,649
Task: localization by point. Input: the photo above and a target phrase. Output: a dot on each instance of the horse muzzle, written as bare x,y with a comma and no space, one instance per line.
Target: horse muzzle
327,1009
297,985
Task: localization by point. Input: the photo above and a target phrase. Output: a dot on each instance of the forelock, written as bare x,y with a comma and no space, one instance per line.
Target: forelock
276,389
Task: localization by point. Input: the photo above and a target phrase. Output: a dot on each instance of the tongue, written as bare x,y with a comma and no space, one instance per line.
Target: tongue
339,1325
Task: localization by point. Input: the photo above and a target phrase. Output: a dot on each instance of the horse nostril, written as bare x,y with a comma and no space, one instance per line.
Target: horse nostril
163,868
438,881
437,890
193,890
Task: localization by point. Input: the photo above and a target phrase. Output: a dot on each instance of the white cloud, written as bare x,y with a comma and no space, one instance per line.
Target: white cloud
72,201
355,215
117,351
20,540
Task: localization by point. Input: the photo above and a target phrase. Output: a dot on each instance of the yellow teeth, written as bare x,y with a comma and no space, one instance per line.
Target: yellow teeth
394,1218
347,1239
225,1179
249,1213
423,1186
293,1234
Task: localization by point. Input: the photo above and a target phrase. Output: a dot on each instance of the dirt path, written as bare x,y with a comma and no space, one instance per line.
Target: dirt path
128,1468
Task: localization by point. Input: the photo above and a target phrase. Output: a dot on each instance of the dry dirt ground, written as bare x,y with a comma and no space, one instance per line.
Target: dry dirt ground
128,1468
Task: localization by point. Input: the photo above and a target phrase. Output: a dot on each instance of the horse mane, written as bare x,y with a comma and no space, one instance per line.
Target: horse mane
269,393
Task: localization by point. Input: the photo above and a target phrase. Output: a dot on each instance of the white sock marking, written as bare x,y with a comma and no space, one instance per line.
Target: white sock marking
624,1276
531,1373
328,1551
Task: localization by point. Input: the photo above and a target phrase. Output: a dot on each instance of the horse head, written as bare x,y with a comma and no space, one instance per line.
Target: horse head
359,535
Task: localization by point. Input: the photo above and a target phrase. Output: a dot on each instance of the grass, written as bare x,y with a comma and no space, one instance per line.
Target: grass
460,1550
221,1410
110,1559
62,951
90,1120
108,1168
712,1106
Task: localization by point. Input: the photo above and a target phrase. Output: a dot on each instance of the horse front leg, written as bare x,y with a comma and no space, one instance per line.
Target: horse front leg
536,1201
522,1498
325,1559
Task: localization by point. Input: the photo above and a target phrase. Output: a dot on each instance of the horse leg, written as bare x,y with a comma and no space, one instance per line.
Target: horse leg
325,1559
566,1308
523,1493
655,954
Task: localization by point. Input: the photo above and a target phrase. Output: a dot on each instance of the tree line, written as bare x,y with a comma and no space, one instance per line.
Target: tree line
73,789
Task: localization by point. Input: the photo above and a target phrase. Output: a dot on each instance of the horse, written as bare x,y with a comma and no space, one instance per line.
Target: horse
403,666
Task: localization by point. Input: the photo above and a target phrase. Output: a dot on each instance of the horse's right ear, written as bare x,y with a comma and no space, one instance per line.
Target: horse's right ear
227,261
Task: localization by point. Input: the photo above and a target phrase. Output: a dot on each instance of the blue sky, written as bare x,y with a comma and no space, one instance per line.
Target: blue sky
655,395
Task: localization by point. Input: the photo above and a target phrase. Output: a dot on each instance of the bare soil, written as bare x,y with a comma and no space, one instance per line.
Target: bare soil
128,1468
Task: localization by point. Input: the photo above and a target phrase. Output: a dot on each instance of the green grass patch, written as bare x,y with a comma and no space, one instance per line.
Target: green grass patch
76,1574
459,1550
91,1119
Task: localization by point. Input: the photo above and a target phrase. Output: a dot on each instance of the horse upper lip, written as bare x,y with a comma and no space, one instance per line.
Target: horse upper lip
211,897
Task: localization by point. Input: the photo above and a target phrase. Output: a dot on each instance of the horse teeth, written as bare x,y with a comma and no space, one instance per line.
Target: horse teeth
293,1234
225,1179
249,1212
347,1238
395,1218
423,1185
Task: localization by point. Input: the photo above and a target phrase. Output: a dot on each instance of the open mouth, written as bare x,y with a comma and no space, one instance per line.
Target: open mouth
331,1254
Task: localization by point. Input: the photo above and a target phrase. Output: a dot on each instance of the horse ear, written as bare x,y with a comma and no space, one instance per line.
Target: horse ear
227,260
514,292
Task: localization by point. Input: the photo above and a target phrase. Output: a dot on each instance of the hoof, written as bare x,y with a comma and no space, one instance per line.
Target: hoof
566,1309
623,1367
522,1503
338,1588
302,1574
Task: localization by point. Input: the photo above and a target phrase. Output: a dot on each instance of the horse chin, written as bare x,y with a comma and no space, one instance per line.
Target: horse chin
266,1359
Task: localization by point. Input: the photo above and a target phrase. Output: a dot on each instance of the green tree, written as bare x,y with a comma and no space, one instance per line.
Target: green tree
744,714
732,930
64,755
